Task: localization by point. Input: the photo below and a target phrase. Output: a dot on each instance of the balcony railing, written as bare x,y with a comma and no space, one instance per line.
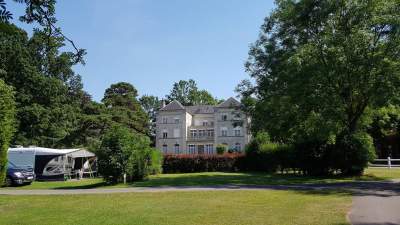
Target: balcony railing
200,138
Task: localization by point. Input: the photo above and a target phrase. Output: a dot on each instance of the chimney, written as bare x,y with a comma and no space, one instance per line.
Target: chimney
162,103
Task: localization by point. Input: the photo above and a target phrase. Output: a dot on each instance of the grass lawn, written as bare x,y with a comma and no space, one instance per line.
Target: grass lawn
218,178
258,207
187,208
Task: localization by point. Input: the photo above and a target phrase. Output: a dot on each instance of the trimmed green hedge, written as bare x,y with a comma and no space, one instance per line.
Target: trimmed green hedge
7,116
203,163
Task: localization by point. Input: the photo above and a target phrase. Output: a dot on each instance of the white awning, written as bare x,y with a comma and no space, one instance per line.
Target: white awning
43,151
82,153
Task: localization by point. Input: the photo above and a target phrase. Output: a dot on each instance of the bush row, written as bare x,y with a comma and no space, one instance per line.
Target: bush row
348,155
202,163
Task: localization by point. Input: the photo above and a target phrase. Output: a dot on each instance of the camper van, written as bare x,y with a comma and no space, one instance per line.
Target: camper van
53,164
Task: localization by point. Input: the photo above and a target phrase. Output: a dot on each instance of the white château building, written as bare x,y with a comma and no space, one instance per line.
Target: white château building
199,129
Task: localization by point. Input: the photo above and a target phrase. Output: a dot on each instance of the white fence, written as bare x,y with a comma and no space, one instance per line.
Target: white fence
388,163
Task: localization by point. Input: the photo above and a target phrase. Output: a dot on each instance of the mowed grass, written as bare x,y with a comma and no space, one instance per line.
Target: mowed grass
218,178
258,207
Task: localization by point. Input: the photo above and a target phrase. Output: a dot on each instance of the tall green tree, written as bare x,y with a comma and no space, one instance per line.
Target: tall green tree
151,104
123,152
47,95
187,93
7,125
318,65
122,104
325,62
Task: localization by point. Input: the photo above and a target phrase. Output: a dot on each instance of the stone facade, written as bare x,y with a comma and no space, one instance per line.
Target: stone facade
199,129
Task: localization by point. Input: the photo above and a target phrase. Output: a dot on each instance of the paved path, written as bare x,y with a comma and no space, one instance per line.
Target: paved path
374,203
378,204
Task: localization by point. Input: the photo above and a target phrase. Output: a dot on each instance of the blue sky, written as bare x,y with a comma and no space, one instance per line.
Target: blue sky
154,43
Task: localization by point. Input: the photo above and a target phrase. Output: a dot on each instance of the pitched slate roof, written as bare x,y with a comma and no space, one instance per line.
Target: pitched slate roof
174,105
230,102
200,109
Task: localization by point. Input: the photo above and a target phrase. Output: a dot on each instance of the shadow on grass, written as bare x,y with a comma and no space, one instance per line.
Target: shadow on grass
294,182
101,184
244,179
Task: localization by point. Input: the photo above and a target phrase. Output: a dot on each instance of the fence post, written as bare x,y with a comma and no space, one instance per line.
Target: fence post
389,163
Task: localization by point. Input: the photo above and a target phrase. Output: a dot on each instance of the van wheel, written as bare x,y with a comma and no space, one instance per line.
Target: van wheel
9,182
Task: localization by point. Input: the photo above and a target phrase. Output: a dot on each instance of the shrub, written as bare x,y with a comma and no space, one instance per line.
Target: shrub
7,115
155,162
268,157
259,139
202,163
221,149
313,157
353,152
122,152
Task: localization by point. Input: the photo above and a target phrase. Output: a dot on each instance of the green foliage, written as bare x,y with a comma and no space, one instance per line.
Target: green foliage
151,104
385,121
5,15
221,149
329,59
124,107
187,93
7,123
264,155
353,153
48,97
256,142
319,65
123,152
156,161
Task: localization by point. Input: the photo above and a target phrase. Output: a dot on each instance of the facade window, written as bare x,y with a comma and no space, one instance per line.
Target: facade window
177,133
205,123
165,134
164,120
193,133
202,133
224,117
237,132
238,147
176,120
192,149
237,116
210,133
224,132
209,149
176,148
165,149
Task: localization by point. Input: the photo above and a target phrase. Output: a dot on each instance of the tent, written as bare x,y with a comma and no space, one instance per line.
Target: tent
54,164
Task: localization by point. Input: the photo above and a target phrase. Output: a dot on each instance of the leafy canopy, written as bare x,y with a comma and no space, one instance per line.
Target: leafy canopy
318,65
187,93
